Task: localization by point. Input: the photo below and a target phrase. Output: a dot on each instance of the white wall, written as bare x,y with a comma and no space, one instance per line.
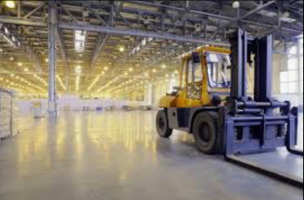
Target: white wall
75,104
280,64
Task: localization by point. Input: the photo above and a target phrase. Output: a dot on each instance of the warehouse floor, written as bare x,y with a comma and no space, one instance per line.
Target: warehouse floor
118,156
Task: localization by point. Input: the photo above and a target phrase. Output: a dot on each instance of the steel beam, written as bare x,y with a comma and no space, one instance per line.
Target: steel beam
19,8
33,11
24,22
8,38
257,9
27,50
52,109
98,17
70,14
98,48
217,16
14,20
130,32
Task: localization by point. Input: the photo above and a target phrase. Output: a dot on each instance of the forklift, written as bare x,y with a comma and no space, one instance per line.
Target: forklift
213,104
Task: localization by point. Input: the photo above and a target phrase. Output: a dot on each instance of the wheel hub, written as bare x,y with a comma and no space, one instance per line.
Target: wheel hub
205,133
161,123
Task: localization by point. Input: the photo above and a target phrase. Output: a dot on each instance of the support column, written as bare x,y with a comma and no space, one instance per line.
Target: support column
52,108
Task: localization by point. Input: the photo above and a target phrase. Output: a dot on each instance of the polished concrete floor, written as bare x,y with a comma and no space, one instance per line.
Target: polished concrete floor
118,156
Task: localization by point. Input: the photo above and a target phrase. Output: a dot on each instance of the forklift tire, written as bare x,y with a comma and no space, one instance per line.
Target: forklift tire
206,133
162,125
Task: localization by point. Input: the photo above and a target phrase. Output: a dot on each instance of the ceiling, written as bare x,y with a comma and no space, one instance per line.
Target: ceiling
126,44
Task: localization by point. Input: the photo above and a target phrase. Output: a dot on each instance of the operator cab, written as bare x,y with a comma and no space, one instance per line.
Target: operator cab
215,66
207,74
204,81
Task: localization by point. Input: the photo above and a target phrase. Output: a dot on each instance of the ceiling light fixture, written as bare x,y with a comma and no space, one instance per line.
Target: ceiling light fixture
286,14
121,49
10,4
78,69
236,4
86,13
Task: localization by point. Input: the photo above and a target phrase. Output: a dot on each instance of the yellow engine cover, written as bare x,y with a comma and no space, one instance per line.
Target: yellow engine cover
167,102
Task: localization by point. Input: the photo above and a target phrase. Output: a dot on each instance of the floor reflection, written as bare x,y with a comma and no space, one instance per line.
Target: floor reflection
120,153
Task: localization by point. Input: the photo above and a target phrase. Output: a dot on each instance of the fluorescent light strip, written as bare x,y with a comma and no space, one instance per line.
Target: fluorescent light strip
9,41
94,82
61,83
77,83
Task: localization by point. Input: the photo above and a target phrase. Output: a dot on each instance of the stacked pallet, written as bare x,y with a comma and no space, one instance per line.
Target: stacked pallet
8,126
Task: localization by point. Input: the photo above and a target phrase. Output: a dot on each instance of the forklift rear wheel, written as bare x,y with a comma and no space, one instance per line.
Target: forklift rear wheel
205,131
162,125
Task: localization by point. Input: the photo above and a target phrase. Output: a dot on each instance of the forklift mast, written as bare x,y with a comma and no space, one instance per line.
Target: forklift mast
242,48
262,48
239,46
251,123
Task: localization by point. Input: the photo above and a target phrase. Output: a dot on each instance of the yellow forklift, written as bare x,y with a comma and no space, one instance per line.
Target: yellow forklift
213,104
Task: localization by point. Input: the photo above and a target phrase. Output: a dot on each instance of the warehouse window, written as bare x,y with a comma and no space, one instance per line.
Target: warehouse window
292,77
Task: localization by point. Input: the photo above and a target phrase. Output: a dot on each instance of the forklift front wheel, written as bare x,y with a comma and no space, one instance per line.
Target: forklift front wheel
162,125
205,133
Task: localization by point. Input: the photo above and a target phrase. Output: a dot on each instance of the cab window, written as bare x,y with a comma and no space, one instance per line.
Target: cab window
195,73
219,70
194,79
